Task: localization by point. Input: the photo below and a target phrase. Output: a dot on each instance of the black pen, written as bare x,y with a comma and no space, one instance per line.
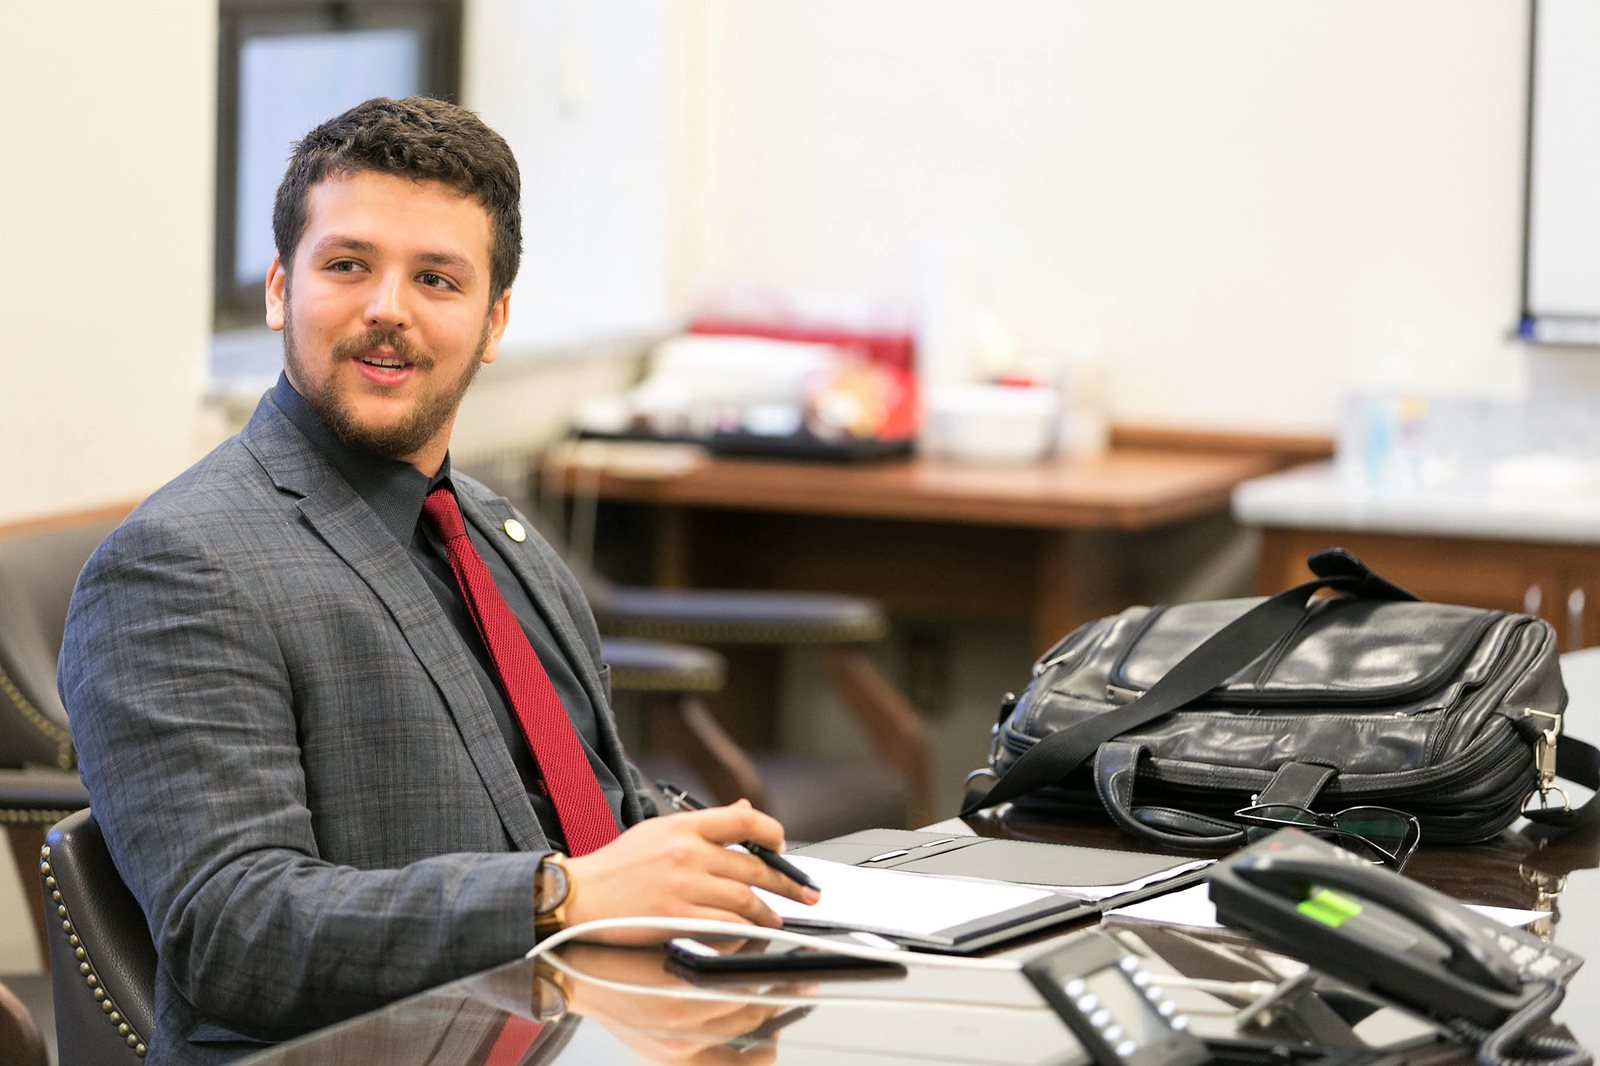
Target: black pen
685,802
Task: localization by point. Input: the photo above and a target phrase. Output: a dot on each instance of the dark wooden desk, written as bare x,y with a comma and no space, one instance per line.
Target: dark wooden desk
925,1016
1045,543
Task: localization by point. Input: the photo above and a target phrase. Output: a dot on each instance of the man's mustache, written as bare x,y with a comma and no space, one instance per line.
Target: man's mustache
383,338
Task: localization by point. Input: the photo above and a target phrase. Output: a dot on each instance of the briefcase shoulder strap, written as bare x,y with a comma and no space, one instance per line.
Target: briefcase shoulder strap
1221,656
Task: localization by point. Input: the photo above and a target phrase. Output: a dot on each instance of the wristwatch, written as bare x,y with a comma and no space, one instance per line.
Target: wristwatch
550,996
552,894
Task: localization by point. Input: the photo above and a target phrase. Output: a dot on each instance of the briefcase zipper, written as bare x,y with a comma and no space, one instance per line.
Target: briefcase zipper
1120,695
1521,651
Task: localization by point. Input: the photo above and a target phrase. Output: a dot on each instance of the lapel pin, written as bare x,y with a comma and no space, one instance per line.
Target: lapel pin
515,531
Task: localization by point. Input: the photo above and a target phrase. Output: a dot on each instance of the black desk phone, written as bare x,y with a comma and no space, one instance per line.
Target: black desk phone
1372,928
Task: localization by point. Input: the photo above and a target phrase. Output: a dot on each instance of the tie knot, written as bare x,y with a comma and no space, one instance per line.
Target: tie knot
445,514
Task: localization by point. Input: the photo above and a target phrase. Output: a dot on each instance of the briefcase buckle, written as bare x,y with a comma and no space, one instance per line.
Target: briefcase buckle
1544,763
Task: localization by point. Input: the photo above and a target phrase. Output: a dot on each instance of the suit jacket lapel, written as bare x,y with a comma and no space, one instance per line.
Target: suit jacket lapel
359,537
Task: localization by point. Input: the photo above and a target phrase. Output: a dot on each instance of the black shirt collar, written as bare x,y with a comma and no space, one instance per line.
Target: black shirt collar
392,488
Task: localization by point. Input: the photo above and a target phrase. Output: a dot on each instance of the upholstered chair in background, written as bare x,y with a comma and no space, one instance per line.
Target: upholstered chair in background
38,769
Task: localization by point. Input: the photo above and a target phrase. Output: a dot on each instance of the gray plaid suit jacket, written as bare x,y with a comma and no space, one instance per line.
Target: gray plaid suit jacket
293,762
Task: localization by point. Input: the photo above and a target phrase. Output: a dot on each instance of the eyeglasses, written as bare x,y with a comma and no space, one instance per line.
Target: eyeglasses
1381,834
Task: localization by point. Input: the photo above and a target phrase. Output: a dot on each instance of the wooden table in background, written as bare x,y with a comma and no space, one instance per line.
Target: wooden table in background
1045,543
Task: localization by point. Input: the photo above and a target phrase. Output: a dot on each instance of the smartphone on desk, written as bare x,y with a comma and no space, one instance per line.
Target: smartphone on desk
770,956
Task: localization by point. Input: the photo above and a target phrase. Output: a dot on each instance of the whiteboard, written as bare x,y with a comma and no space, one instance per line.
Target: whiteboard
1561,298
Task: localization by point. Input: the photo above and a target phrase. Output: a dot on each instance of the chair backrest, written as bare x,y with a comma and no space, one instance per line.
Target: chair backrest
102,962
37,571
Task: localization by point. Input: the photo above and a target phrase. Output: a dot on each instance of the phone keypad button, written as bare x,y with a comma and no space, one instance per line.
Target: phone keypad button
1544,965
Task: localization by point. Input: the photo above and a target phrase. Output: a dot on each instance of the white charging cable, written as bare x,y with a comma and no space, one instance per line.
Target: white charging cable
894,956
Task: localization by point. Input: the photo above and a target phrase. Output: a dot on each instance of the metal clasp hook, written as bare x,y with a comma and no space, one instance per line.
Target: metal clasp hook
1544,763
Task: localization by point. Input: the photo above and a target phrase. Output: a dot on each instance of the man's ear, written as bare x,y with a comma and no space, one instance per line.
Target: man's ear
499,314
277,289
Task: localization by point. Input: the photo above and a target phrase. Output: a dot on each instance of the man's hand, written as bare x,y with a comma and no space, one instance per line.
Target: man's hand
678,866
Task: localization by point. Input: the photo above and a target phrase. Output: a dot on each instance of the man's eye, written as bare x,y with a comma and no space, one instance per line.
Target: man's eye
344,266
435,281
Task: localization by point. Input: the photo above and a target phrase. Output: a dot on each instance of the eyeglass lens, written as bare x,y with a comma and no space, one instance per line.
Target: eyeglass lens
1378,833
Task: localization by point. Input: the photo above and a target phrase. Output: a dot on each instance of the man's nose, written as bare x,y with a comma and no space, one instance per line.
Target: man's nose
386,302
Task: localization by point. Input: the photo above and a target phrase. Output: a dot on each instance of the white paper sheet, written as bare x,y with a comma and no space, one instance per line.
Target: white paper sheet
896,903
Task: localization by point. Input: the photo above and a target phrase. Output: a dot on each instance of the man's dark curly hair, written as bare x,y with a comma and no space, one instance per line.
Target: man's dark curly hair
418,138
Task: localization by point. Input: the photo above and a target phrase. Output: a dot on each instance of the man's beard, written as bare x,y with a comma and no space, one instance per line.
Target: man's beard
397,441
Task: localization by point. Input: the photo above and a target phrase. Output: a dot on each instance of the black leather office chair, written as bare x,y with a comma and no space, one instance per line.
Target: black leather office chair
895,787
813,796
102,963
38,769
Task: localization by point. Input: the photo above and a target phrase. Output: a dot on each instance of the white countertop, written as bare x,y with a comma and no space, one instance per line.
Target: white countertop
1316,497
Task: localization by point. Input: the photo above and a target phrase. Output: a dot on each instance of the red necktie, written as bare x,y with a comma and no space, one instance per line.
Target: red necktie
516,1038
586,820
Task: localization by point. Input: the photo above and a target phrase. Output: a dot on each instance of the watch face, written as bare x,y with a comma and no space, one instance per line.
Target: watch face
552,886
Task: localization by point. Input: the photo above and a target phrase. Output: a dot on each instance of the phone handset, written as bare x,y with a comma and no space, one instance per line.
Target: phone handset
1375,929
1473,954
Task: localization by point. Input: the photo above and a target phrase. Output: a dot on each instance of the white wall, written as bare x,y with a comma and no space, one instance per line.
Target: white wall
579,92
1239,204
105,177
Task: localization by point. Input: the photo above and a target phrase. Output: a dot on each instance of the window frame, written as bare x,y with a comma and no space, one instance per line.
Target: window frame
438,21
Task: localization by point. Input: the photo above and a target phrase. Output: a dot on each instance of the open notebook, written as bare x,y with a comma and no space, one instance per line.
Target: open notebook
964,893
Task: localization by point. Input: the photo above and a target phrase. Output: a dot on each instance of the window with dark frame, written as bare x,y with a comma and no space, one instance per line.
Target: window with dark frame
282,67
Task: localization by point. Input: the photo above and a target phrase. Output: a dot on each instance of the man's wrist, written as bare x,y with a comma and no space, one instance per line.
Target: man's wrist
553,891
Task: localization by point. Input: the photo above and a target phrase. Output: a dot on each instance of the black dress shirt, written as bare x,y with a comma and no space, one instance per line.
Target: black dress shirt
395,491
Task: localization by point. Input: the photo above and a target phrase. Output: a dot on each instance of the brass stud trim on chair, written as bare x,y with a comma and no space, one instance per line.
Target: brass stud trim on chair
57,735
91,979
31,816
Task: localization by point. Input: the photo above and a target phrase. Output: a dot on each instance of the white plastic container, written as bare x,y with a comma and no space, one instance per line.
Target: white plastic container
992,423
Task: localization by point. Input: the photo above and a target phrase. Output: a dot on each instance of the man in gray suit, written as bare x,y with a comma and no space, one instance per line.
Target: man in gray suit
291,699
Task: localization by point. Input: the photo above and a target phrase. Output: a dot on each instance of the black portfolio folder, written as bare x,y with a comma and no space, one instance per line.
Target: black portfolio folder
1087,880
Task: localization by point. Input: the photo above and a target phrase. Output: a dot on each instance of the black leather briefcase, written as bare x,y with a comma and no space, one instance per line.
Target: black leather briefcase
1168,719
